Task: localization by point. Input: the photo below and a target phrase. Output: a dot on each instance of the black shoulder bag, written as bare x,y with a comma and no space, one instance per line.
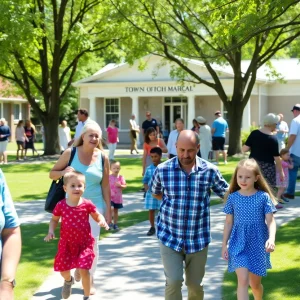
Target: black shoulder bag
56,192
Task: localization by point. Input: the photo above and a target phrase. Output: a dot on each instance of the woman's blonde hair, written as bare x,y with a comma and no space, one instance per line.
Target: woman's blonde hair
261,183
90,125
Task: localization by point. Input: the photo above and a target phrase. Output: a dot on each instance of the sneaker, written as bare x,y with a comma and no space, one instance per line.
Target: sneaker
280,201
77,275
67,288
285,199
86,298
111,226
116,228
278,206
151,231
289,196
225,162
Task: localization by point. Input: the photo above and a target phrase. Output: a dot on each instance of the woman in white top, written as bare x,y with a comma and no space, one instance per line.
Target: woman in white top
64,135
20,139
205,137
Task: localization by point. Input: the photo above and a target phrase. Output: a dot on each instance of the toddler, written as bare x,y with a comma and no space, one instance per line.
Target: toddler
76,243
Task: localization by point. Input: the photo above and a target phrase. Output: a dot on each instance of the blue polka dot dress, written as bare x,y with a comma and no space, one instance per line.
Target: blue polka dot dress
246,246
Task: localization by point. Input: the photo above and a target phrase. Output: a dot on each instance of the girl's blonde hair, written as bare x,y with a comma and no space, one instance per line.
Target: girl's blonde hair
90,125
261,183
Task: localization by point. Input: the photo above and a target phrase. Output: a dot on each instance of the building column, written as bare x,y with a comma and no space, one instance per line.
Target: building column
190,112
92,108
135,107
246,122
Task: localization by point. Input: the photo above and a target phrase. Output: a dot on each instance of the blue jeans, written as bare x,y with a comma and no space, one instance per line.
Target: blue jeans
293,175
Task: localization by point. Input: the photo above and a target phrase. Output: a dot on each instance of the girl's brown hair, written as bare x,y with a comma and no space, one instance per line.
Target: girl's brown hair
261,183
148,132
283,151
20,123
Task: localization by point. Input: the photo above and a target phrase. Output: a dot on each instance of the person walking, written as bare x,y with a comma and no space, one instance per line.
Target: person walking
263,147
218,130
4,135
90,160
282,130
134,131
179,125
112,138
30,138
64,135
76,243
20,139
149,122
250,228
184,184
294,147
205,137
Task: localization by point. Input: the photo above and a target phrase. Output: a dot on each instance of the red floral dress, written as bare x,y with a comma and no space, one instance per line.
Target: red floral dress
75,247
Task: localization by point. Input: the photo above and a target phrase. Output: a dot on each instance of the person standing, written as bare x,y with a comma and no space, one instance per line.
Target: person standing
184,185
294,147
149,122
205,137
30,137
64,135
179,124
282,130
134,131
4,135
112,138
20,139
218,129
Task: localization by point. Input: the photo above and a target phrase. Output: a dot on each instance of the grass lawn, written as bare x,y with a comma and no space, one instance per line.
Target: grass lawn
37,256
283,281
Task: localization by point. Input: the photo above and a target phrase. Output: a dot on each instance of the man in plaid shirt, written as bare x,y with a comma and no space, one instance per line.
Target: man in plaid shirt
184,185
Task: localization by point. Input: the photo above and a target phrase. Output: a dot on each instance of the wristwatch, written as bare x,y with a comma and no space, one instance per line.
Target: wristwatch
11,281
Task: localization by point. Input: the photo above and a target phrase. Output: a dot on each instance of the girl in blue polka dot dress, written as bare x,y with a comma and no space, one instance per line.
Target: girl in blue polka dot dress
250,228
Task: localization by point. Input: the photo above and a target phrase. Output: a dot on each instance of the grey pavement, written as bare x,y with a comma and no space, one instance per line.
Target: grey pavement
129,265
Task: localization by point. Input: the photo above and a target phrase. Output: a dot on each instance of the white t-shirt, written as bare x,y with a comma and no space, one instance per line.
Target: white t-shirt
64,137
172,142
295,129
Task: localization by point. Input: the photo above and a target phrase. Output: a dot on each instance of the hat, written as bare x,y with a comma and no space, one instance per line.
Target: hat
217,112
271,119
200,119
296,107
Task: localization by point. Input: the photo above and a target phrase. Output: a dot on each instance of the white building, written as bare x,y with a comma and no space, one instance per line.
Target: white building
117,91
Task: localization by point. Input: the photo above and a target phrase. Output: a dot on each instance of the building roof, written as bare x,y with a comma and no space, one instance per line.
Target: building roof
7,93
286,69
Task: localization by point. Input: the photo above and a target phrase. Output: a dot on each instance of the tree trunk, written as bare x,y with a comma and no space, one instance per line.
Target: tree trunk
235,117
50,124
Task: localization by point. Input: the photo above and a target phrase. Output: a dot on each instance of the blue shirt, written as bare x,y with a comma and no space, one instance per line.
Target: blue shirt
220,125
8,214
5,131
183,222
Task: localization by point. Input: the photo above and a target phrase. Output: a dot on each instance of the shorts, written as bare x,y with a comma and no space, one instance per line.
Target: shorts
218,143
116,205
21,143
3,146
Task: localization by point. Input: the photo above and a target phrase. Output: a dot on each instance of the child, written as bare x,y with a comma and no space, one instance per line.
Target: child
20,139
75,247
286,165
151,203
112,138
151,141
117,184
250,228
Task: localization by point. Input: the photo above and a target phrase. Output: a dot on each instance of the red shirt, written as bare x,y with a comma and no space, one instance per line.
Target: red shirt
112,134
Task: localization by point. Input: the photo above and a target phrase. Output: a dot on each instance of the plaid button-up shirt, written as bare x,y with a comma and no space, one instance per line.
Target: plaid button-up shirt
183,222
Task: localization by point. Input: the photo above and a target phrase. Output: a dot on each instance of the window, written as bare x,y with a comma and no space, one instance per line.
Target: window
112,110
17,112
175,99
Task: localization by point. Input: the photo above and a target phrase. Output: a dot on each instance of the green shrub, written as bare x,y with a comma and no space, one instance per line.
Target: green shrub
72,134
245,134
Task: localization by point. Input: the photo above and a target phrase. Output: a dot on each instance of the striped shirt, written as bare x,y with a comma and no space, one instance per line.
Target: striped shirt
183,222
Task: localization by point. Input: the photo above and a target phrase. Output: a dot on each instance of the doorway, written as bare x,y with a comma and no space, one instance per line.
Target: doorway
174,108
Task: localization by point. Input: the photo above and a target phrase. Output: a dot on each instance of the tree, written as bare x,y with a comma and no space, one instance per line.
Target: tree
213,31
43,43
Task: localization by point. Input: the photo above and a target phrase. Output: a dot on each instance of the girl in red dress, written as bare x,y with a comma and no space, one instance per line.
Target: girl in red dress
75,247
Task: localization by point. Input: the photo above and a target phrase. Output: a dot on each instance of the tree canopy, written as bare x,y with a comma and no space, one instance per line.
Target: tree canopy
213,31
44,43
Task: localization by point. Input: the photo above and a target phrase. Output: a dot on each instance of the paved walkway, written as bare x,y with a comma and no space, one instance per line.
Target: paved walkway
130,266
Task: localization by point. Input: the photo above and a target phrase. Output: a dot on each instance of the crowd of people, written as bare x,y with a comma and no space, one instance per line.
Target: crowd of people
180,188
